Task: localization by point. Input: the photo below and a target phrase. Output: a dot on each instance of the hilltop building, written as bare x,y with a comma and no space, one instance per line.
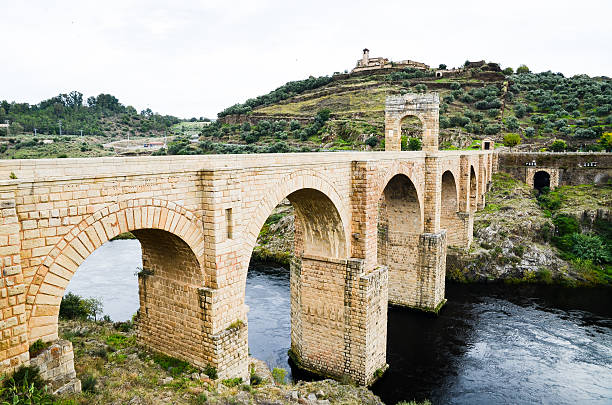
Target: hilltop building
367,63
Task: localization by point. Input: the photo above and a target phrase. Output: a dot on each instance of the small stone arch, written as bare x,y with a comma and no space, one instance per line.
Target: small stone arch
181,228
425,107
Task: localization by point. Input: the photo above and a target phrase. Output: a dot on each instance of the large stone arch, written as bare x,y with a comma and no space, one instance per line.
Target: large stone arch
473,189
400,224
450,218
303,189
425,107
154,222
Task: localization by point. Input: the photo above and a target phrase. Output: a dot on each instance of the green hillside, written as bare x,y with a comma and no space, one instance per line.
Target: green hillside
478,102
340,112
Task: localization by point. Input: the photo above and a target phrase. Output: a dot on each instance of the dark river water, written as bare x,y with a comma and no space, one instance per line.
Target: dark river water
490,345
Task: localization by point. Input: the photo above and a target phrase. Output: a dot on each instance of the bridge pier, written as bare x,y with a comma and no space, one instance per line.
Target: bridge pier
338,317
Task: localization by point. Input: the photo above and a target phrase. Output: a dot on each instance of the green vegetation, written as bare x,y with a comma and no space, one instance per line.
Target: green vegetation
589,252
25,387
101,115
37,347
511,140
279,375
75,307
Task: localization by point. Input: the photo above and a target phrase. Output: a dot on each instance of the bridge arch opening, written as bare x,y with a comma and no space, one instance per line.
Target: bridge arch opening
399,225
541,180
449,208
300,255
168,279
411,130
473,189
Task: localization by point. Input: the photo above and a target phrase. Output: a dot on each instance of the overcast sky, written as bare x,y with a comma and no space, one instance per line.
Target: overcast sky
194,58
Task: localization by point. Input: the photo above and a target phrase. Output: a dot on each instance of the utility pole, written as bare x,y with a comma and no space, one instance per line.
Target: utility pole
81,134
34,131
60,126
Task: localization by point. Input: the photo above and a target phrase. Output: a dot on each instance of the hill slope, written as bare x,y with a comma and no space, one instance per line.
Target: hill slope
476,103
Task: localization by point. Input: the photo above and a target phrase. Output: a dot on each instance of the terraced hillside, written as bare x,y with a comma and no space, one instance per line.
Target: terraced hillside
478,102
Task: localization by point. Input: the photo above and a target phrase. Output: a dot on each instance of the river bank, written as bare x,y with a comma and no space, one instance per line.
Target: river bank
115,370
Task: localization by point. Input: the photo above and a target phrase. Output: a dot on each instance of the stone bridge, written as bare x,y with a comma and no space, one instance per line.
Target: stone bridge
371,228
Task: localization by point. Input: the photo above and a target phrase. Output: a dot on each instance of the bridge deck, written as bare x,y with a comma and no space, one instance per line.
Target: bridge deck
54,169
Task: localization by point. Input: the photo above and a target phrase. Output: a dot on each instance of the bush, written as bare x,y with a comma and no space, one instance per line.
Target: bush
512,124
25,386
522,69
508,71
585,133
279,374
420,88
372,141
414,144
511,140
529,131
89,383
37,347
493,129
590,247
558,145
566,225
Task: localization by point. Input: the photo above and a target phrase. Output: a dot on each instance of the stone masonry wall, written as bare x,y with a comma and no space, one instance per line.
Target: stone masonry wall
572,168
56,367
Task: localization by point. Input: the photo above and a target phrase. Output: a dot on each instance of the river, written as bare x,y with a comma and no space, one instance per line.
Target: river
490,344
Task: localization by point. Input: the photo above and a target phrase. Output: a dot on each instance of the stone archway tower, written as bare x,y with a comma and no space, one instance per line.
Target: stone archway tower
425,107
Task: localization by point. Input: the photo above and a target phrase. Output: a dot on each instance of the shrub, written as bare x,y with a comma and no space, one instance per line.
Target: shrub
550,201
420,88
511,140
585,133
232,382
512,124
529,131
566,225
508,71
558,145
493,129
372,141
25,386
279,374
37,347
455,86
414,144
590,247
89,383
294,125
522,69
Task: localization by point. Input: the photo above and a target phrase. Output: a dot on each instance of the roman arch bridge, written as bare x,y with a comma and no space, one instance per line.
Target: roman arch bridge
371,228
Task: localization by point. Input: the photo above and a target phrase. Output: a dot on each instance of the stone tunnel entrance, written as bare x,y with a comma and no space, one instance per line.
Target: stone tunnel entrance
541,180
